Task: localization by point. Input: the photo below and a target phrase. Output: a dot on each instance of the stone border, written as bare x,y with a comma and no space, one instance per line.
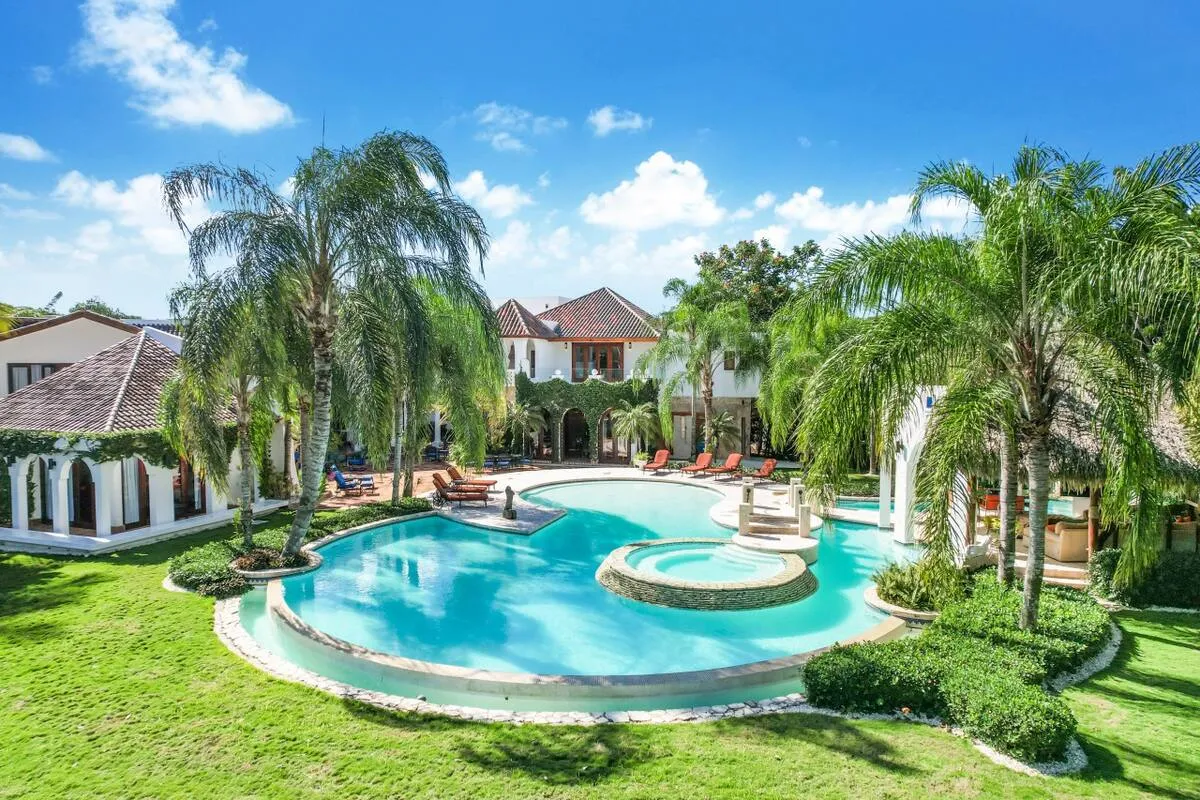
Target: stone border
794,582
258,577
871,596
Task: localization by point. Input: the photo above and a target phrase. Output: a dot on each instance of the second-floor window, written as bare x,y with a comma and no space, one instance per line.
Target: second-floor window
21,375
605,358
512,356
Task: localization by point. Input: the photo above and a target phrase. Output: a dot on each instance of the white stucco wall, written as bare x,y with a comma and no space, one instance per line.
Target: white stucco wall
60,344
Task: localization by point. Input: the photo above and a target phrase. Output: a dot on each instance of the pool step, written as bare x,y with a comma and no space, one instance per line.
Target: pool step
780,528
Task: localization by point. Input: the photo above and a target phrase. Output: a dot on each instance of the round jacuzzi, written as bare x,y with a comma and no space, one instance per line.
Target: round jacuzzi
703,574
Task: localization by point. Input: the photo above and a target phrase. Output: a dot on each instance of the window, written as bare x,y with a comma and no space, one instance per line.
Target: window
512,356
607,359
730,361
532,363
21,375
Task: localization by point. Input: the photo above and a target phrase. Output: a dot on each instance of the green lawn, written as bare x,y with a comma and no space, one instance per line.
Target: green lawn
112,687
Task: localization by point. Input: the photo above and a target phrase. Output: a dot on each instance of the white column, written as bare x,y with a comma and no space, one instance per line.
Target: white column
105,489
804,519
903,529
214,500
437,428
162,496
885,494
59,508
20,498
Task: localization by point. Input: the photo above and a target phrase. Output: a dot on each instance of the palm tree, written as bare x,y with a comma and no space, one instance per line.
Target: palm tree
525,422
634,422
1070,289
359,218
724,430
230,359
696,335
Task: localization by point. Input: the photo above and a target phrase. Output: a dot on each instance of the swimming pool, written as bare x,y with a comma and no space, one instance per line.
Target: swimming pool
1061,506
438,591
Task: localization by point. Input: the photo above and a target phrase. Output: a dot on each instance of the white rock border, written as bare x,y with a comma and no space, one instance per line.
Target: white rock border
228,627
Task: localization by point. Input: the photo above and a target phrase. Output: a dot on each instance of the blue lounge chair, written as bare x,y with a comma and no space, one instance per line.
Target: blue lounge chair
345,485
356,464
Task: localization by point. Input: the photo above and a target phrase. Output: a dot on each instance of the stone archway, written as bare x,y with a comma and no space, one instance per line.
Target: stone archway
576,438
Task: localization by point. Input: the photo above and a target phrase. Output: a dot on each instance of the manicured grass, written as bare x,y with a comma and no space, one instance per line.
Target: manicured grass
112,687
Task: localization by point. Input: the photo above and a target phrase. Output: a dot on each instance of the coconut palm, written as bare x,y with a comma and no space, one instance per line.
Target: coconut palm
1071,288
359,218
696,335
724,430
525,422
633,423
229,359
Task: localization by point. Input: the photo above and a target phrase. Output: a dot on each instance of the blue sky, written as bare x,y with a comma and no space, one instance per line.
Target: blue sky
605,143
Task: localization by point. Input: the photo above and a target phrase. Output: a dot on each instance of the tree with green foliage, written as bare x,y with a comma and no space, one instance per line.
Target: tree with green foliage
633,423
98,306
525,422
1079,284
231,359
355,218
696,334
764,278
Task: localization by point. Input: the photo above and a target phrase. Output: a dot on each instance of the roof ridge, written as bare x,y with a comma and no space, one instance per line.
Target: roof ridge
637,311
120,398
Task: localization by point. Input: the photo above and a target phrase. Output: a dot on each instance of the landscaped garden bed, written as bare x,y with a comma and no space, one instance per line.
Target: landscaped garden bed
1173,581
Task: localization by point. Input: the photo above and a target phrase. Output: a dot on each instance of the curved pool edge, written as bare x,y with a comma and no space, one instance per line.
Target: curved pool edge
228,627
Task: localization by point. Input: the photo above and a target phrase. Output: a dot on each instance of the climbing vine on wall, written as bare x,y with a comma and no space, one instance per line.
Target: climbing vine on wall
149,445
592,397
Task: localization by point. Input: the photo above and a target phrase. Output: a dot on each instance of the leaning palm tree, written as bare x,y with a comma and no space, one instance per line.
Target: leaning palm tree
1054,298
229,360
695,338
633,423
358,217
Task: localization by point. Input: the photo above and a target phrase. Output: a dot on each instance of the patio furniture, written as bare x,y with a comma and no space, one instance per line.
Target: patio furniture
450,494
732,464
658,463
364,483
977,555
457,479
703,462
344,484
1067,541
356,464
765,471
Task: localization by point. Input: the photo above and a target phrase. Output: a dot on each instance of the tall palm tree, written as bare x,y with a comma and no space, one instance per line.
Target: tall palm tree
1070,289
634,422
229,359
696,335
356,217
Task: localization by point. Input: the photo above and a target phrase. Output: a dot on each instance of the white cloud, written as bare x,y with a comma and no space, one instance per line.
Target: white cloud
544,180
174,81
41,74
763,200
27,214
804,141
809,211
517,246
625,255
741,214
777,235
22,148
138,206
512,245
8,192
664,192
96,236
610,118
499,125
501,200
206,25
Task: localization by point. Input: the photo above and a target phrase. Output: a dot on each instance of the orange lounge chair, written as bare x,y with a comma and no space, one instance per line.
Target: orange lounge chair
452,495
765,471
732,464
703,462
457,480
658,463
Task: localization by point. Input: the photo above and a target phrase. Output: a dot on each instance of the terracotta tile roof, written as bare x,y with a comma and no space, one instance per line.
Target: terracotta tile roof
602,314
118,389
26,325
518,322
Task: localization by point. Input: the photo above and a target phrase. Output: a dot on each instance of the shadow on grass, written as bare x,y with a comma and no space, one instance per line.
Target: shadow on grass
1105,766
826,732
36,583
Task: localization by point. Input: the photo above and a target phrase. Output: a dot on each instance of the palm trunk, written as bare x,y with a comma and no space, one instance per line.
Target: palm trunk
289,464
305,405
247,503
318,445
1007,543
706,397
972,508
1039,496
397,439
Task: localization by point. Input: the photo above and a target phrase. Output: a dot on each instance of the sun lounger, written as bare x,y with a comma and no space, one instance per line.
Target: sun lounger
457,480
452,495
703,462
765,471
732,464
658,463
344,484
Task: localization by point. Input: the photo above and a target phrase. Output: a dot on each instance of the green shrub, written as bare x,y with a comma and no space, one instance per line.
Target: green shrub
974,668
205,568
1174,580
923,585
853,486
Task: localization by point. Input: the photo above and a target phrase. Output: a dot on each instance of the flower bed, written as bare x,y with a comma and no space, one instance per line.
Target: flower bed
206,568
974,668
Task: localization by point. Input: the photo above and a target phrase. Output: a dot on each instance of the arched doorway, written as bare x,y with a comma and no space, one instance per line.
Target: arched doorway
609,449
576,441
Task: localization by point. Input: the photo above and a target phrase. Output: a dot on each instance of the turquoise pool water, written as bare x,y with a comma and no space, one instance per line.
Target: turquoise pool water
1059,506
698,561
436,590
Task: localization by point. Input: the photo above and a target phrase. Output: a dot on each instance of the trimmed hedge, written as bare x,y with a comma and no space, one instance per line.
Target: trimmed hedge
974,668
205,568
922,585
1174,580
861,485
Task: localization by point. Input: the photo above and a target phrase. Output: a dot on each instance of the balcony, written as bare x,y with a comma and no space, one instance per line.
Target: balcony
611,375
